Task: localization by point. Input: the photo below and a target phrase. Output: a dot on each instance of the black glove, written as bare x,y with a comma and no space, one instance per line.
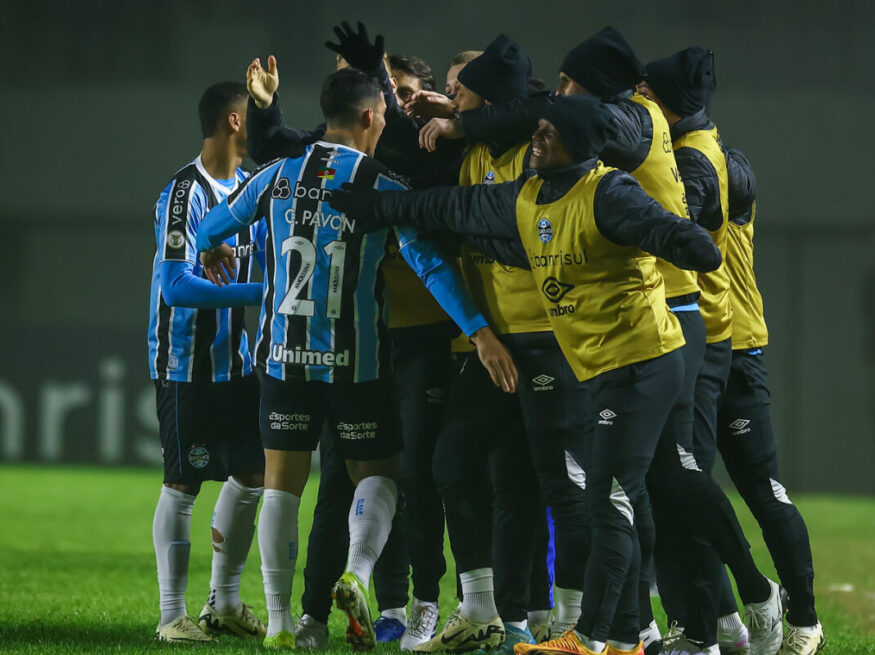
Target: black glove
356,48
358,203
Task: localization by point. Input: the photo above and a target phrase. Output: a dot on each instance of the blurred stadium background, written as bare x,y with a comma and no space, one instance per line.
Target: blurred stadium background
99,108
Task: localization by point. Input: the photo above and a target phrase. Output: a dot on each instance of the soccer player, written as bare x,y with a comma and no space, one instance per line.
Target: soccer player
420,333
682,85
744,433
603,219
206,393
322,348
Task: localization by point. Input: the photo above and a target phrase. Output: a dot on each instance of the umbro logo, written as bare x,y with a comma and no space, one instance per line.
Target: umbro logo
607,415
739,426
542,382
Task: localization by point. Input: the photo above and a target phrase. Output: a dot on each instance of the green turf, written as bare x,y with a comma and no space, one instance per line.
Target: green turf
77,570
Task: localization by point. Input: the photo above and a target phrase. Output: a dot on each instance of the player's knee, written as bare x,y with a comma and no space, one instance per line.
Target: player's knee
360,469
253,480
192,489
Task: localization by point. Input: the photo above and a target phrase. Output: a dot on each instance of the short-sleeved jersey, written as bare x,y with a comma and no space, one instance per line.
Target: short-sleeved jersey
324,313
186,344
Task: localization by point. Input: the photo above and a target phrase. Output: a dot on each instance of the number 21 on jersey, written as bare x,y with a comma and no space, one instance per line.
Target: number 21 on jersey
293,303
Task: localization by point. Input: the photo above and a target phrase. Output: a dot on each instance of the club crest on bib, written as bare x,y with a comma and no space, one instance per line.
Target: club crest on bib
545,230
489,178
198,456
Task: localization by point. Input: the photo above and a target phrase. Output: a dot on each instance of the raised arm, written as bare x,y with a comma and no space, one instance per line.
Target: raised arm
627,216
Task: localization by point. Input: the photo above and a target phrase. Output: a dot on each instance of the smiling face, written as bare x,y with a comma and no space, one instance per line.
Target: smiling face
548,150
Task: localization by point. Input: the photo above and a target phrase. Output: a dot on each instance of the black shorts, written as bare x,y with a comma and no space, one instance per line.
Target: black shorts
209,430
362,416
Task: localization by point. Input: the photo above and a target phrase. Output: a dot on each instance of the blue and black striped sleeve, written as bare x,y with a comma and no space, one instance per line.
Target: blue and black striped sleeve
178,213
239,210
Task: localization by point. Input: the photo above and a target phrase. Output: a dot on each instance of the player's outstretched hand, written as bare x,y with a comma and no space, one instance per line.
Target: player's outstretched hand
219,264
429,104
262,84
357,48
357,202
436,128
497,359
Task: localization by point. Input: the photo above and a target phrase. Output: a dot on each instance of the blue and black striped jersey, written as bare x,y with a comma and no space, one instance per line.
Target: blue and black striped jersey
185,344
324,309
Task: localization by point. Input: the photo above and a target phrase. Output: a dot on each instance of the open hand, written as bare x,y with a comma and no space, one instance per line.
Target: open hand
495,356
447,128
357,48
220,265
429,104
262,84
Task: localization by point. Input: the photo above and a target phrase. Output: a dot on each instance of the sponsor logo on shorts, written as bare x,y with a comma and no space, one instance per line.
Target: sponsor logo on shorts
545,230
542,382
357,431
172,362
739,427
607,416
298,355
198,456
289,422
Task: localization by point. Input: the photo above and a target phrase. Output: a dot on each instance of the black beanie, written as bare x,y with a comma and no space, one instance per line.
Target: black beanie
604,64
584,124
500,73
683,81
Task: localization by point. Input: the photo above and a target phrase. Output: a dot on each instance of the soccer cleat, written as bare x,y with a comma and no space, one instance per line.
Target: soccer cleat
282,640
610,649
802,641
240,623
540,631
421,624
352,599
651,640
514,636
388,629
733,641
459,634
311,634
569,643
181,629
674,633
685,646
764,621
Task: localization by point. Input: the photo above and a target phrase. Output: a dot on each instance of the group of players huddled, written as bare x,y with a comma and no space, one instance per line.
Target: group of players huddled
530,315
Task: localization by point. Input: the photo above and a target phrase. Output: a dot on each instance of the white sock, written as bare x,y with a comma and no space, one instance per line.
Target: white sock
171,528
568,605
730,622
621,645
278,543
232,529
478,598
592,644
711,650
538,617
519,625
397,613
370,520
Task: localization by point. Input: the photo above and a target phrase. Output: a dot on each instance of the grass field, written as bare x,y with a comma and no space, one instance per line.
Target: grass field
77,570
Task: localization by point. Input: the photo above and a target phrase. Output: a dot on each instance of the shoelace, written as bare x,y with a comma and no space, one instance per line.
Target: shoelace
421,622
188,627
758,619
793,637
568,641
674,633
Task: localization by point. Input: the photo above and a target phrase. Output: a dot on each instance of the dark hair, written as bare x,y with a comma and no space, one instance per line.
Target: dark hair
346,93
465,56
413,66
216,103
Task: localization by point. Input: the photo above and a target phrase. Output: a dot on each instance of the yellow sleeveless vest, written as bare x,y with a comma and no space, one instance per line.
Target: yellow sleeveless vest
658,176
410,303
606,303
748,323
714,302
506,295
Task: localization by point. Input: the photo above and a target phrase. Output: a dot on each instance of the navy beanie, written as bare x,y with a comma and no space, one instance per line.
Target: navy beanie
500,73
684,81
584,124
604,64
